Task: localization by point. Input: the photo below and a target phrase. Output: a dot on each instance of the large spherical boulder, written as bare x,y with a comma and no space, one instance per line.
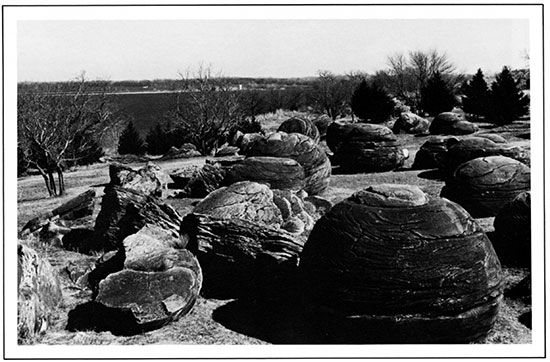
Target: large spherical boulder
370,148
411,123
393,265
450,123
469,148
484,185
433,153
302,126
337,131
512,236
302,149
278,172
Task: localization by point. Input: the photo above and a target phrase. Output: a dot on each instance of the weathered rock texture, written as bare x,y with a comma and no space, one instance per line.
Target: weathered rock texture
410,123
240,257
484,185
474,147
78,207
369,148
278,172
205,180
337,131
149,282
124,212
302,126
392,265
144,180
187,150
227,151
512,237
432,154
301,148
39,293
322,122
450,123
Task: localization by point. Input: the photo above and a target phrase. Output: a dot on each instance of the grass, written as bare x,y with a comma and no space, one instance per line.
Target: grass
200,326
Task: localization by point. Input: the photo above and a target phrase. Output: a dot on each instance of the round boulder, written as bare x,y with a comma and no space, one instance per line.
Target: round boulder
432,154
370,148
474,147
392,265
302,149
484,185
411,123
512,237
337,131
302,126
451,124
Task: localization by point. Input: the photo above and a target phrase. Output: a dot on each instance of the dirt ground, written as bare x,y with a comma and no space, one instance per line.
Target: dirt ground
230,321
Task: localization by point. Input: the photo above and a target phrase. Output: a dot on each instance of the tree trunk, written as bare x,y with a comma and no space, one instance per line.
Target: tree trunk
61,182
52,183
43,173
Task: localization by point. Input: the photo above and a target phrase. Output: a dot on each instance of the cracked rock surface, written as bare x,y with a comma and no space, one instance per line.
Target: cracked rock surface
484,185
149,282
392,265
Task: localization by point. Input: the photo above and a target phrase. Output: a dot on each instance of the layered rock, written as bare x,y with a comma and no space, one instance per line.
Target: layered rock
433,153
469,148
302,126
392,265
144,180
278,172
370,148
149,282
449,123
512,236
39,294
484,185
410,123
301,148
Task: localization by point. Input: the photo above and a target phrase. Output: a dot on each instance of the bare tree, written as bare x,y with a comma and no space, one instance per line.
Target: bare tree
207,107
61,123
333,93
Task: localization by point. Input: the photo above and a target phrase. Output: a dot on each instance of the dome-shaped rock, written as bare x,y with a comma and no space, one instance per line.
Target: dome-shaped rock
392,265
411,123
469,148
450,123
432,154
370,148
278,172
302,149
512,237
484,185
337,131
302,126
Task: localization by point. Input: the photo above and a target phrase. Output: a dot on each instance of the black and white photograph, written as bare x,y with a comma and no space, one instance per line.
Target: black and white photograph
299,180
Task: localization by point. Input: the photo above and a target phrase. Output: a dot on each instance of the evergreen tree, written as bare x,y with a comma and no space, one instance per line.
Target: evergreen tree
476,96
437,96
130,141
507,101
371,103
157,140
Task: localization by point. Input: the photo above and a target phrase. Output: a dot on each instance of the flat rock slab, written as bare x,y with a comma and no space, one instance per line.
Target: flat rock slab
484,185
240,257
391,264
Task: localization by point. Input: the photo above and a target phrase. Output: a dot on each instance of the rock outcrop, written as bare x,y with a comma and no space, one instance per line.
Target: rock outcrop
410,123
393,265
302,126
484,185
39,294
144,180
433,153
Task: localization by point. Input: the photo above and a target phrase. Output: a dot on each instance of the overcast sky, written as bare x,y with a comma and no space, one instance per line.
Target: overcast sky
154,49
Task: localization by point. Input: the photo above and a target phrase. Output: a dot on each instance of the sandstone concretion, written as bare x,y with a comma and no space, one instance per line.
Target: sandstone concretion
393,265
302,126
449,123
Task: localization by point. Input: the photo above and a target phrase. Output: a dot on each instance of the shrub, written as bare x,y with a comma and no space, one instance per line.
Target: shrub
371,103
506,101
437,96
130,141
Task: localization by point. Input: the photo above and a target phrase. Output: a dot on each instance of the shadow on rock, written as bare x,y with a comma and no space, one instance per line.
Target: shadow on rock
434,174
95,317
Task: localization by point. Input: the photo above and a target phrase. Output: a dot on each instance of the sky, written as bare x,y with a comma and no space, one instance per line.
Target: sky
59,50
